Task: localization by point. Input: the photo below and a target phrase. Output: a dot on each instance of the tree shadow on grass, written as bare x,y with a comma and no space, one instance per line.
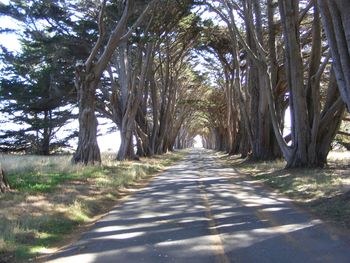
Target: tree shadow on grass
335,209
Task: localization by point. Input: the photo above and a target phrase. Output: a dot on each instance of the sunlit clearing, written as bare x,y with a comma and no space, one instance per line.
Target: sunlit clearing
287,122
198,142
339,155
109,142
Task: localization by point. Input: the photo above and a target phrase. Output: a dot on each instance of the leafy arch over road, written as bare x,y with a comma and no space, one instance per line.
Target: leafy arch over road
139,70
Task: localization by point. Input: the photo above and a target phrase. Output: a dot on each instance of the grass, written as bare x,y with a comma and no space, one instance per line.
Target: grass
326,192
51,198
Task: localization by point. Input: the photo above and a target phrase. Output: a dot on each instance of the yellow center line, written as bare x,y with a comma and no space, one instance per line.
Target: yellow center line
218,245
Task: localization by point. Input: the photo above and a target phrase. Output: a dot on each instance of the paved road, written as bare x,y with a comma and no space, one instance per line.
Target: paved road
200,211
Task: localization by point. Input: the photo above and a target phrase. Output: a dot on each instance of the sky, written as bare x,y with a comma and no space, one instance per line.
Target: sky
10,40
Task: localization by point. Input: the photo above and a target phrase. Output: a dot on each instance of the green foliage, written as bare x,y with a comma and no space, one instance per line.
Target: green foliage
37,89
176,10
37,182
42,174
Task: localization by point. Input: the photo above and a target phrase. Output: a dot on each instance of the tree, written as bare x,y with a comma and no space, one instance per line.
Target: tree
37,91
88,75
127,95
250,94
267,84
158,119
217,115
132,87
336,22
4,184
219,42
310,138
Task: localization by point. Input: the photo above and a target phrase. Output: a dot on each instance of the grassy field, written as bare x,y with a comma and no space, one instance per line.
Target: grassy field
51,199
325,192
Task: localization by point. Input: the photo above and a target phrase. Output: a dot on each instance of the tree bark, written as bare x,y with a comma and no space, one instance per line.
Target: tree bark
312,131
88,151
4,184
134,89
336,22
330,120
300,124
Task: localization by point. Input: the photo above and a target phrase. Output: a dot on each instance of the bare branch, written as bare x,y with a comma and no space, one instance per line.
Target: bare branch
322,67
101,30
138,21
305,10
117,35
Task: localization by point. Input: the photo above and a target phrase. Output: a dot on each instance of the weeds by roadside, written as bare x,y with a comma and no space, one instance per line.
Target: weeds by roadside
51,197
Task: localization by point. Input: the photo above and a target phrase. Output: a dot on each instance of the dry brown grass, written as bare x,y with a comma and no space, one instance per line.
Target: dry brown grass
36,220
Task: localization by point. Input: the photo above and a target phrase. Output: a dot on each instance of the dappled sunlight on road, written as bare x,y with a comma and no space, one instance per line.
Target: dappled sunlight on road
201,211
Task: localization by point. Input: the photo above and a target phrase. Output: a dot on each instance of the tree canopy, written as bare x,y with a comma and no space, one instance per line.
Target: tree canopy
166,71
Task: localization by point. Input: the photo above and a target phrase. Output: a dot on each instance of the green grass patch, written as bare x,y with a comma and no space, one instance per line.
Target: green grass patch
39,182
51,198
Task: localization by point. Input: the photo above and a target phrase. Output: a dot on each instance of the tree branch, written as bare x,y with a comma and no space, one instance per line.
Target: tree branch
99,41
305,10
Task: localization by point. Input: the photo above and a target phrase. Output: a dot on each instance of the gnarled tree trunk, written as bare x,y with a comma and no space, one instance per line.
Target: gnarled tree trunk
88,151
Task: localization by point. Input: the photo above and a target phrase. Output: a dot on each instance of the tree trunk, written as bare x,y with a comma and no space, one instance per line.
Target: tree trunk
330,120
155,112
88,76
312,132
300,123
4,184
260,119
133,85
336,22
88,151
313,86
45,142
142,139
126,150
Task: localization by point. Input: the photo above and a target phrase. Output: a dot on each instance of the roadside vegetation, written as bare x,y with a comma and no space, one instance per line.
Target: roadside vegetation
51,199
162,72
325,192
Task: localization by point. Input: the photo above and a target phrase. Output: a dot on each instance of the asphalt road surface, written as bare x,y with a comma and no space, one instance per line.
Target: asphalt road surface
201,211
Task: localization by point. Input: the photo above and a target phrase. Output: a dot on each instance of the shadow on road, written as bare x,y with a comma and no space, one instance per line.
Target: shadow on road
201,211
